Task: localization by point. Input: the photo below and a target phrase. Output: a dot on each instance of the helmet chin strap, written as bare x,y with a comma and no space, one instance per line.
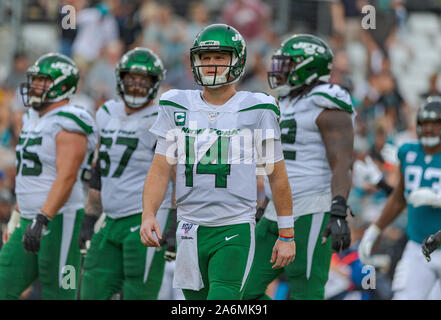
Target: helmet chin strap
430,141
284,90
135,102
221,79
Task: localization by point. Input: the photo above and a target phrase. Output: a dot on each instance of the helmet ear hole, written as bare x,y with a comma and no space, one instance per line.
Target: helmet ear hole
311,59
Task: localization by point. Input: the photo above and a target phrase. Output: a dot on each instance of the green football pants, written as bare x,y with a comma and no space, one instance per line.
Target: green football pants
57,264
118,261
307,274
225,256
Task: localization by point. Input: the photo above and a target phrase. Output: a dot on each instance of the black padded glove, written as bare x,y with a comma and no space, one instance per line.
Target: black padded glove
338,226
430,244
34,233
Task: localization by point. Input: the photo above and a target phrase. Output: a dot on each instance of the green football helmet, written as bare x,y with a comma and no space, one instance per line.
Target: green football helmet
56,68
215,38
139,61
301,60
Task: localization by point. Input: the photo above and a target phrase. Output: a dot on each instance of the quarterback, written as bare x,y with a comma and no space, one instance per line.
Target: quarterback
317,139
419,189
53,142
216,186
116,259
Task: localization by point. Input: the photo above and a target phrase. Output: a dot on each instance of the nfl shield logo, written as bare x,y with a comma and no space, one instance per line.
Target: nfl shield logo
187,227
212,115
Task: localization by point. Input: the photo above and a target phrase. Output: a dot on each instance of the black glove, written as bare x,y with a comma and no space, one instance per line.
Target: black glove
338,226
169,237
259,213
87,229
34,232
430,244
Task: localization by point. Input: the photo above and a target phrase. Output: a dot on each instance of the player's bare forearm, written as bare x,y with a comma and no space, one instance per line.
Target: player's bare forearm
71,150
394,205
281,191
155,185
338,136
94,206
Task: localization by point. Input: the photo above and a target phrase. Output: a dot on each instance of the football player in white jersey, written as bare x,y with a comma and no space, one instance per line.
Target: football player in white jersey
53,142
217,129
117,260
317,139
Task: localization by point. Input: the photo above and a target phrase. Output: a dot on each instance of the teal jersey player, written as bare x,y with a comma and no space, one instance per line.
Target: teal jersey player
420,170
418,189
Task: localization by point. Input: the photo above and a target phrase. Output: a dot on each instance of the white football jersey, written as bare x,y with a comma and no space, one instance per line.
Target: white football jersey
36,156
304,151
126,153
217,156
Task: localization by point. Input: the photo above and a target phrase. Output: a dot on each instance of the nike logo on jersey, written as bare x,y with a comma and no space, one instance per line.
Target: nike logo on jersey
229,238
133,229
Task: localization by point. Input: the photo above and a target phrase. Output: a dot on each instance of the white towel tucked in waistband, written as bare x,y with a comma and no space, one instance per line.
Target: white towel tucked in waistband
187,274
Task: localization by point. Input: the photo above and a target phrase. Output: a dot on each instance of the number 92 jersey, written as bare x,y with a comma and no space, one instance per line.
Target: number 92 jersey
36,156
126,153
420,170
307,166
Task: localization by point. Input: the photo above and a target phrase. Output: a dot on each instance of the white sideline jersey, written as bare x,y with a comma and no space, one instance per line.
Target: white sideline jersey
216,169
126,153
307,166
36,156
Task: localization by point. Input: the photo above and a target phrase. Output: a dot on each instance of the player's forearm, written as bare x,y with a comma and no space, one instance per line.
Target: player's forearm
58,194
282,198
155,186
341,181
94,206
265,202
394,205
281,190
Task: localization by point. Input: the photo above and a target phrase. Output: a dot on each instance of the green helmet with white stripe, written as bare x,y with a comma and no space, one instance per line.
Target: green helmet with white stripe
58,80
301,60
219,38
144,62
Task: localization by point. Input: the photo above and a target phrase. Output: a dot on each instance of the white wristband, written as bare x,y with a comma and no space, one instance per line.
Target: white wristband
285,221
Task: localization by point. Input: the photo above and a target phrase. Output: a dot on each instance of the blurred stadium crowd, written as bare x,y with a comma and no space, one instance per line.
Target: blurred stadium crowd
388,70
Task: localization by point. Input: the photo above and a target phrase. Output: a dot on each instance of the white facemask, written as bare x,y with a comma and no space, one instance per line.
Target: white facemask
220,80
430,141
135,102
